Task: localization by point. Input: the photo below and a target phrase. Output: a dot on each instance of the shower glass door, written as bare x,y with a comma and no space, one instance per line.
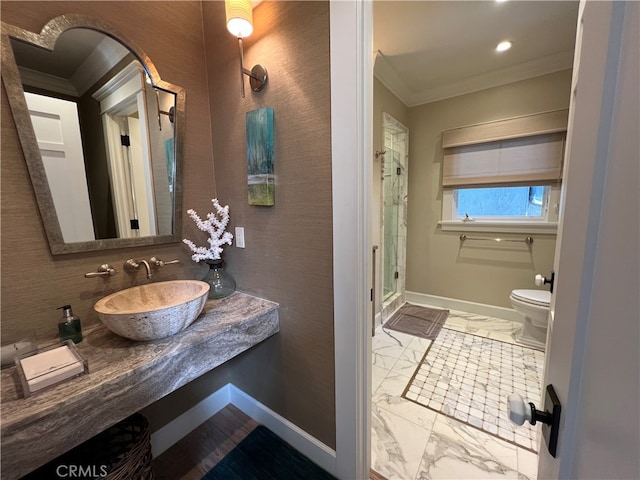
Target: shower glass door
393,183
393,212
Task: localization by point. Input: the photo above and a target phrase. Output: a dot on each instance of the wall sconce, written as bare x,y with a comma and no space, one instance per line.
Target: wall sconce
240,24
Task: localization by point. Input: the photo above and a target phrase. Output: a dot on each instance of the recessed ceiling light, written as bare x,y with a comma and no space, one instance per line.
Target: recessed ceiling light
500,1
503,46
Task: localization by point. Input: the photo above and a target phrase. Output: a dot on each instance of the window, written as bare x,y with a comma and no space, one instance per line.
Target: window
501,209
519,203
504,176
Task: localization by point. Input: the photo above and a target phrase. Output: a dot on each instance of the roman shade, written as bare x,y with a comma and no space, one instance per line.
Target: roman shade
523,151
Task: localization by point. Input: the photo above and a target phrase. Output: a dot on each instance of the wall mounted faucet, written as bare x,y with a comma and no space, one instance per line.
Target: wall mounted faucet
157,263
133,265
105,271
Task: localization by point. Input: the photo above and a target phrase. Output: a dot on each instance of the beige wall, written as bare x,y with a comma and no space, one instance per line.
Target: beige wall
288,254
289,247
384,101
436,263
35,283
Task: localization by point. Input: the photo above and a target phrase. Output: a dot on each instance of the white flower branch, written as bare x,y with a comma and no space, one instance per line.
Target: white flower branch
215,225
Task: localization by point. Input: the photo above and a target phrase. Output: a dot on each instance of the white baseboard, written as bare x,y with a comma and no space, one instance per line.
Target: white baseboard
464,306
181,426
306,444
378,319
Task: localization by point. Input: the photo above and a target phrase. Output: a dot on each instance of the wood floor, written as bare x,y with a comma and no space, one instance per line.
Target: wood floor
198,452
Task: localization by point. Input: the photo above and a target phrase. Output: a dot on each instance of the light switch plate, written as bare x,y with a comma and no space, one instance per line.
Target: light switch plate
240,237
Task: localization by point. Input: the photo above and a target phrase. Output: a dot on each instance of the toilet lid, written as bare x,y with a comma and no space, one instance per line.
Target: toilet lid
535,297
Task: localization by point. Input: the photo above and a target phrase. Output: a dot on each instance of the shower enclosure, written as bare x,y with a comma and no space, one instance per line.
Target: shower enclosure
394,213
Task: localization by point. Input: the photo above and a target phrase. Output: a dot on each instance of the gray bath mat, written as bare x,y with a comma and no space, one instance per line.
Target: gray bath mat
419,321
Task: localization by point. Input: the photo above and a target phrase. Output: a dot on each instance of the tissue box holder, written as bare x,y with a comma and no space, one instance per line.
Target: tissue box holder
49,366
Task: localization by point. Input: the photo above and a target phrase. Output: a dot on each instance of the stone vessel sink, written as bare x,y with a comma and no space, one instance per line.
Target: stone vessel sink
152,311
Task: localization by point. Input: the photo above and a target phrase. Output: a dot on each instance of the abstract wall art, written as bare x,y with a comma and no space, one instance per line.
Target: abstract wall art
260,160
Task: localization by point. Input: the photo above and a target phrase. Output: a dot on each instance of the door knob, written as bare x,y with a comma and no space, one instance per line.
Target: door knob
520,412
541,281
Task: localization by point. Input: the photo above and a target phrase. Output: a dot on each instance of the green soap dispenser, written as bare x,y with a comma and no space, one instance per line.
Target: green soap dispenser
69,327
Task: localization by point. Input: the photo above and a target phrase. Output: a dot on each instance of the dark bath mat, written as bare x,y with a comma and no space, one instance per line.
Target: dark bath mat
264,456
419,321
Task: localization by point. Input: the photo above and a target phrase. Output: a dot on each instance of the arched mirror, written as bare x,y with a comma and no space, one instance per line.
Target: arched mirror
101,134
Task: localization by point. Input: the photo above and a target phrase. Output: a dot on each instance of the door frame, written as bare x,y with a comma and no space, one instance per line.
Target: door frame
351,38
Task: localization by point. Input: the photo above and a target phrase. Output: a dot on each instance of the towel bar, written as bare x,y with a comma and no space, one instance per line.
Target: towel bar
527,240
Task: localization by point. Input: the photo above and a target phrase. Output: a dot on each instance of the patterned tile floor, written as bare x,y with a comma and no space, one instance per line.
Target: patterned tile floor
411,442
468,377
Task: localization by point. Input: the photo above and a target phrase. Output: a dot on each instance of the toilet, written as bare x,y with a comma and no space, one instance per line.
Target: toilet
533,305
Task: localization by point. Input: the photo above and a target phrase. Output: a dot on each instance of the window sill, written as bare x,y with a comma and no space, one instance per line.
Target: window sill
546,228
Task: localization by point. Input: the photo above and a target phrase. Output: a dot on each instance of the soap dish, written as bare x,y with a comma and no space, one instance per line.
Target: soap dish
49,366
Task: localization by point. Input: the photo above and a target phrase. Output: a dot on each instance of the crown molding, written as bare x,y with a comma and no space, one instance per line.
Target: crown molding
384,72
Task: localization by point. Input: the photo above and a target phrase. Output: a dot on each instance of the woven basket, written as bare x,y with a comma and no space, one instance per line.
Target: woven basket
128,445
122,452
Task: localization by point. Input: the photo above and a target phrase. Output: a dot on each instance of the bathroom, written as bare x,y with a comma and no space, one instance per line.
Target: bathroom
298,374
432,266
189,46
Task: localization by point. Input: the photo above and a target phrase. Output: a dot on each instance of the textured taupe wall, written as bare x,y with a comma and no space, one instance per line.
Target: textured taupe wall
384,101
288,254
479,272
289,247
34,282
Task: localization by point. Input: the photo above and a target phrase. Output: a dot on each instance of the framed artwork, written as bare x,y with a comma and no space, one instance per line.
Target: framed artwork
260,177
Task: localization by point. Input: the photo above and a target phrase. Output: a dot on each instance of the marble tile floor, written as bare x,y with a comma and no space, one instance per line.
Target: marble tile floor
467,377
412,442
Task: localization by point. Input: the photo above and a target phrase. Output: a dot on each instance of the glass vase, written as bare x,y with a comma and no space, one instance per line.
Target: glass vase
221,282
